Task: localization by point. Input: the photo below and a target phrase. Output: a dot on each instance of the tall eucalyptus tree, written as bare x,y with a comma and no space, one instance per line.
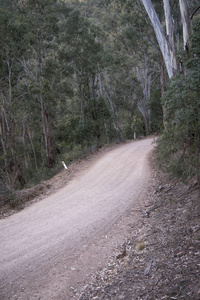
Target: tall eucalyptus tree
12,43
40,64
166,43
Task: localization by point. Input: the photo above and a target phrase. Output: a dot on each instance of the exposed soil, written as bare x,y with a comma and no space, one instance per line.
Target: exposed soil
161,258
27,197
151,252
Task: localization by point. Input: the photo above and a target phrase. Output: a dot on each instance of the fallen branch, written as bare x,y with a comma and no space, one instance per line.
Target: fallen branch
195,186
147,270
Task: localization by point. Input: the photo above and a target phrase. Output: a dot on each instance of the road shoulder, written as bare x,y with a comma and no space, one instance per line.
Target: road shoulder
159,258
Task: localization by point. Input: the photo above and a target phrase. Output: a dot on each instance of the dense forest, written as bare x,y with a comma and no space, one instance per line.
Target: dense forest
76,75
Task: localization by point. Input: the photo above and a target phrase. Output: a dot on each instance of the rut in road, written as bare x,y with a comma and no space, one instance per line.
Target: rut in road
55,244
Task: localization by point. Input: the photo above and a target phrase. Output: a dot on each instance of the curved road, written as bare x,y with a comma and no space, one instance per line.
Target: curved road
51,246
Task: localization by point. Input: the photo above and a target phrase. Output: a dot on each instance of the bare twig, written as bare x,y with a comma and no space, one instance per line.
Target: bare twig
195,186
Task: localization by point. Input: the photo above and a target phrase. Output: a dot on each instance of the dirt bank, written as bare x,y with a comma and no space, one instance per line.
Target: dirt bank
161,257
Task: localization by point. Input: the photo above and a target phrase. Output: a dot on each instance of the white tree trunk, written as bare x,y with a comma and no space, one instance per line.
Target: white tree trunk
168,20
187,26
103,92
170,32
144,78
161,38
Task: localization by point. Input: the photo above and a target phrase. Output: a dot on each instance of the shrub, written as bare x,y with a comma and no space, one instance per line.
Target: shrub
179,147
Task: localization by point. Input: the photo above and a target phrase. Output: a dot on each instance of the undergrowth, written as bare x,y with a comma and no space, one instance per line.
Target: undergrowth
179,146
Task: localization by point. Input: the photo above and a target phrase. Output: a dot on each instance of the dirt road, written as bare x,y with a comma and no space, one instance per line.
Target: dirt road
50,248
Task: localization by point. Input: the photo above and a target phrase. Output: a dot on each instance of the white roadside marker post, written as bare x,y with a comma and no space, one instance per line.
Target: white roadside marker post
64,165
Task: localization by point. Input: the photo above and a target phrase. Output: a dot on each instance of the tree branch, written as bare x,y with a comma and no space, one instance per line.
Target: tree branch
192,14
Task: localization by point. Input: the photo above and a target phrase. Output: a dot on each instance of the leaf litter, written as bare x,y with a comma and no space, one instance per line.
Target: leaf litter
161,259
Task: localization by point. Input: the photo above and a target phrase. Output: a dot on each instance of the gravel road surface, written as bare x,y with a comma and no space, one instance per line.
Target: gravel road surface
50,248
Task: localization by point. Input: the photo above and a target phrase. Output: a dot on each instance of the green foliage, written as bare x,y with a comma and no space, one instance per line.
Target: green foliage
12,199
72,76
156,110
179,146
